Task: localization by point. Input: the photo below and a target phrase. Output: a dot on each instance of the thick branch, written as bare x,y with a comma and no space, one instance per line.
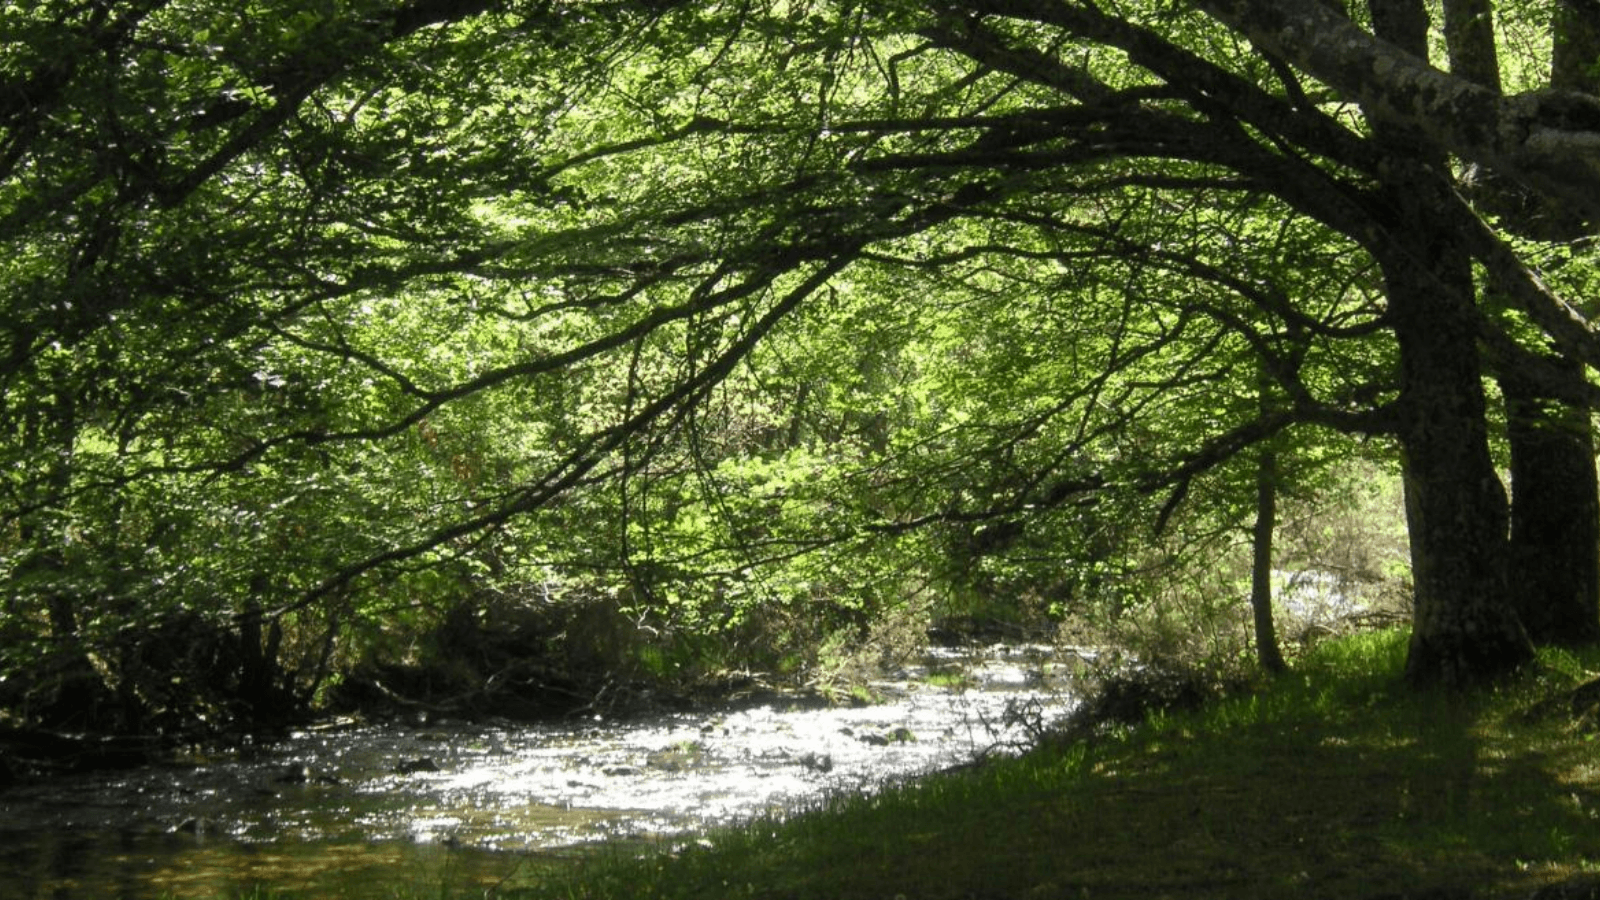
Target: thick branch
1548,140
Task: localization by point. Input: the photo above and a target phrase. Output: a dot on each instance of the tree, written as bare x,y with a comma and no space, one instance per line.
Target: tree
602,215
1464,621
1542,139
1555,512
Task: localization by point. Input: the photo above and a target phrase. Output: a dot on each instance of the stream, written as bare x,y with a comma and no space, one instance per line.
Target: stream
354,810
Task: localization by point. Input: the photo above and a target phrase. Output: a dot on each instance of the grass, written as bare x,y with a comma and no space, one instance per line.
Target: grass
949,680
1332,782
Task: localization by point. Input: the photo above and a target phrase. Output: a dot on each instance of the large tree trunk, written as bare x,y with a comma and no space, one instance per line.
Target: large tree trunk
1555,501
1555,517
1575,46
1555,513
1464,628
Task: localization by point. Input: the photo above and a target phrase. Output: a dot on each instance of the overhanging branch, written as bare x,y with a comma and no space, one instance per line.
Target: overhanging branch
1548,140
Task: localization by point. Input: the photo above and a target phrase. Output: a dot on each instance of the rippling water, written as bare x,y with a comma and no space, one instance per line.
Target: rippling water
358,811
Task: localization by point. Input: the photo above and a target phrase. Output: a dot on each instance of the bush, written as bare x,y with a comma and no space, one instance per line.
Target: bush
1131,695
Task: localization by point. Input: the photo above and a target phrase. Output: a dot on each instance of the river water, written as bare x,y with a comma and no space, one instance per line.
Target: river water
361,811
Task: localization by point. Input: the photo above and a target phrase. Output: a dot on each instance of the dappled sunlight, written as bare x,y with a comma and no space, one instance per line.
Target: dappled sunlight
430,368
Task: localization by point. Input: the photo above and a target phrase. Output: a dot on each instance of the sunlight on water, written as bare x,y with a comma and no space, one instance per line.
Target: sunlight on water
356,811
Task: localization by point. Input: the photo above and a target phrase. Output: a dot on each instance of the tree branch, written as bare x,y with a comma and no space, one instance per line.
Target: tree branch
1548,140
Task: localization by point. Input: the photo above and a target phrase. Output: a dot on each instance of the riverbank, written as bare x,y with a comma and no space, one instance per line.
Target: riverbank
1333,782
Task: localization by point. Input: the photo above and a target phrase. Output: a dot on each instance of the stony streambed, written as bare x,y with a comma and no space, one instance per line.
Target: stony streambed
361,810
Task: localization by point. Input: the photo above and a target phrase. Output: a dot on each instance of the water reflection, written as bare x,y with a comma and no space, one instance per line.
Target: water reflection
364,811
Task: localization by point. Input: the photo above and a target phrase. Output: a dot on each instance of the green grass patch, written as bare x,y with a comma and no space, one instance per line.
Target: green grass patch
1332,782
949,680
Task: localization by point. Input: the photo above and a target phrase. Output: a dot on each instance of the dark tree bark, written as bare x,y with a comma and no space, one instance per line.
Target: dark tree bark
1464,627
1267,651
259,679
1555,513
1544,140
1555,501
1469,41
1576,46
1555,517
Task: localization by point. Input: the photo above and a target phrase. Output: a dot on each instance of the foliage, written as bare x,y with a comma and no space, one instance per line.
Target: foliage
327,321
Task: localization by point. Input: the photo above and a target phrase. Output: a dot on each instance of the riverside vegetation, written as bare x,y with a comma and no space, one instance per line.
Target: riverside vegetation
612,348
1331,782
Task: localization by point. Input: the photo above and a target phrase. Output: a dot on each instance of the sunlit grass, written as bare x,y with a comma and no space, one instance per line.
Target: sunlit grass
1333,781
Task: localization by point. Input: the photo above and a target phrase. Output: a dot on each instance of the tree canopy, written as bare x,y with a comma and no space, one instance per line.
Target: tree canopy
320,312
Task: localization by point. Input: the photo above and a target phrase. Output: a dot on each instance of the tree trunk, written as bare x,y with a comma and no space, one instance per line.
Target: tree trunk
1555,513
1555,518
1464,627
1555,501
1469,42
1575,47
264,694
1267,652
